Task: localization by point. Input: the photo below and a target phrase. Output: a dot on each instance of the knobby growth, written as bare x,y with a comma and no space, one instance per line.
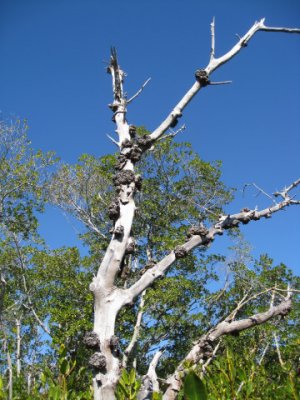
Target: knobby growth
109,297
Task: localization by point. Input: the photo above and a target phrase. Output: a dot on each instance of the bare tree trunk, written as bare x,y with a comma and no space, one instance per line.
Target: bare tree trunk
10,375
108,298
106,363
28,383
18,353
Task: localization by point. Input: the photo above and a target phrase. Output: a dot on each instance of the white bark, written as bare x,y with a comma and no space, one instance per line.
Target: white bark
152,371
10,370
18,352
278,350
150,380
136,331
109,299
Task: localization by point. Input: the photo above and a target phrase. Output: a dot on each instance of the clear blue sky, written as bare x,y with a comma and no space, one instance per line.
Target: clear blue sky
52,73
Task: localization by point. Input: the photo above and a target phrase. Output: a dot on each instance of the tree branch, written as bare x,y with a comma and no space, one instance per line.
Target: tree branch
136,331
204,238
214,64
150,381
278,350
139,91
203,347
213,44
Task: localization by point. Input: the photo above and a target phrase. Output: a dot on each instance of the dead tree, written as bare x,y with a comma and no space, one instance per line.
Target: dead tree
109,299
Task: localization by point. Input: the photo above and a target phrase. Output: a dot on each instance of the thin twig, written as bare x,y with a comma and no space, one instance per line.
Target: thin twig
173,133
260,190
204,366
220,83
139,91
113,140
136,331
278,350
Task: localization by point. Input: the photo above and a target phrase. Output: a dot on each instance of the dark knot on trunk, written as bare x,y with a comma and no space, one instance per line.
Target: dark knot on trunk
114,341
91,340
132,131
138,182
120,164
98,361
180,252
130,248
114,345
119,231
124,177
175,120
127,143
202,77
114,210
144,142
135,153
197,230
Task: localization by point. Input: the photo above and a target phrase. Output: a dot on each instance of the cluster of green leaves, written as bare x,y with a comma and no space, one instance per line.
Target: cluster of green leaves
57,382
23,175
193,388
128,386
179,190
241,374
62,384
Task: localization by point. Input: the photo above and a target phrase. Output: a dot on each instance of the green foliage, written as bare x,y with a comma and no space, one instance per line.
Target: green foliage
53,383
23,176
243,375
194,388
157,396
60,386
2,390
128,386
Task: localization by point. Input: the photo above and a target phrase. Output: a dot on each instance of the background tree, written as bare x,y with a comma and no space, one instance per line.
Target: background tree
23,175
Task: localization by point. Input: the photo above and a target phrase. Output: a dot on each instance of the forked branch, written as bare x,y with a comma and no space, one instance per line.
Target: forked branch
202,80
